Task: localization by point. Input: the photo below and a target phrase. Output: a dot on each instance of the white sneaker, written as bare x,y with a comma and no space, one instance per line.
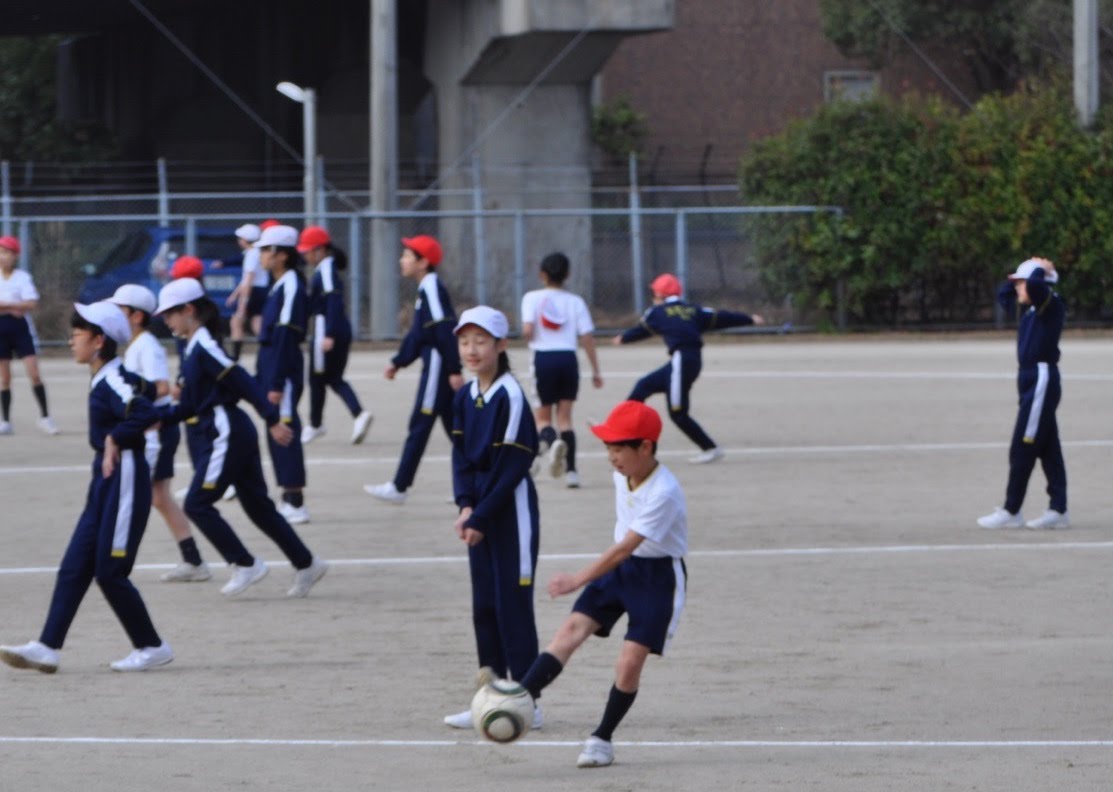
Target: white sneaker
1001,518
596,753
361,425
463,720
542,450
558,458
311,433
6,428
186,572
142,659
305,578
230,493
35,655
243,577
46,425
572,480
1050,521
386,492
705,458
295,515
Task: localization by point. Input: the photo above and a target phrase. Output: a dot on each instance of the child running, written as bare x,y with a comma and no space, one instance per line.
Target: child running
554,320
146,358
332,335
641,574
1036,432
430,338
107,536
18,299
494,441
224,445
681,326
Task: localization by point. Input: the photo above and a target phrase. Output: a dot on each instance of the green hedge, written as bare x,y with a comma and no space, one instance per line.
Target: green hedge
939,205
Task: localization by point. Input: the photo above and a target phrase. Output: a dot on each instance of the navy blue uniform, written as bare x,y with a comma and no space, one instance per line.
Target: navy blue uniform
106,538
329,320
431,339
681,325
494,440
1036,433
280,367
224,447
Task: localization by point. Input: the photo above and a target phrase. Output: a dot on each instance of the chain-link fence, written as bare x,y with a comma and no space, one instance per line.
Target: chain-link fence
492,256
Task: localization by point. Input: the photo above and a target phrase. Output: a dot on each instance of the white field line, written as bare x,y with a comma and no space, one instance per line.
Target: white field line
772,552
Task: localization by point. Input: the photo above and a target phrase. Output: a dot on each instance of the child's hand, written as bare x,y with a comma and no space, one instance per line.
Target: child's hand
390,372
282,434
111,456
274,397
458,526
327,344
455,381
616,340
561,583
597,380
758,319
472,537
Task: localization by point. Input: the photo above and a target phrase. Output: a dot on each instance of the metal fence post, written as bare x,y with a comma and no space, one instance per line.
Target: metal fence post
519,264
25,248
163,195
322,200
682,248
840,303
355,291
480,239
191,235
637,273
5,197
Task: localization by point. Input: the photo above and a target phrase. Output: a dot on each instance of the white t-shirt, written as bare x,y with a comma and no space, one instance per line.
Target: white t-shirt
558,317
253,266
17,287
657,510
146,357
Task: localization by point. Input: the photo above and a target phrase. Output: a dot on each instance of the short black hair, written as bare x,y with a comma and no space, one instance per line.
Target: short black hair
79,322
146,322
555,266
635,443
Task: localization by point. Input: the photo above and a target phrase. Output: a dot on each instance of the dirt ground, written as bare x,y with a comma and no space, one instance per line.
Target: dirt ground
848,626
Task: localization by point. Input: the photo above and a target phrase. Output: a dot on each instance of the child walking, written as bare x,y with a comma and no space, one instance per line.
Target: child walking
554,321
146,358
642,574
1036,433
494,441
280,366
18,299
105,542
224,445
430,338
332,335
250,292
681,326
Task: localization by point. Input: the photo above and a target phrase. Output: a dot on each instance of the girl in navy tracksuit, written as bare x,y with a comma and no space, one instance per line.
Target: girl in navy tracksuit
224,445
280,365
1036,433
430,338
681,325
106,538
494,440
332,334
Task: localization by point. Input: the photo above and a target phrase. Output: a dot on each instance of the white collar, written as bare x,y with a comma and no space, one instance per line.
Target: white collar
197,337
105,370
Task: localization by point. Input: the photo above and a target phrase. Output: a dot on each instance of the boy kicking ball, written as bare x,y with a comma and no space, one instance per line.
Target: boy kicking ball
641,574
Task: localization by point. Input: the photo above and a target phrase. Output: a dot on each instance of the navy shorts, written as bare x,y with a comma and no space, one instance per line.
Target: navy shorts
556,376
256,300
651,590
162,466
15,337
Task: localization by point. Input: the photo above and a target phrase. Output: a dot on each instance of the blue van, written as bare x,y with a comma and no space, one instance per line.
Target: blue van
146,256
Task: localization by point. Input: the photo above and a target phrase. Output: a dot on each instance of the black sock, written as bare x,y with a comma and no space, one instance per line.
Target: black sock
569,439
237,347
544,670
618,704
6,403
294,498
548,435
40,397
190,553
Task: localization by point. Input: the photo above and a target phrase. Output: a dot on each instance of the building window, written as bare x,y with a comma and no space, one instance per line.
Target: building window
851,86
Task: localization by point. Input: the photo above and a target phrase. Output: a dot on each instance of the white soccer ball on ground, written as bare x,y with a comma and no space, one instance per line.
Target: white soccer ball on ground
502,711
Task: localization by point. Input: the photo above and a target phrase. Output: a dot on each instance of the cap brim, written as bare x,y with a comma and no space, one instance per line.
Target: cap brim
608,435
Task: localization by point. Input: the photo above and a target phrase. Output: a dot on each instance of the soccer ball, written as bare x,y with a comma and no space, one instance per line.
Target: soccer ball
502,711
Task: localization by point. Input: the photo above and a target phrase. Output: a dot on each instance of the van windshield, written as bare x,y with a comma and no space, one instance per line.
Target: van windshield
130,248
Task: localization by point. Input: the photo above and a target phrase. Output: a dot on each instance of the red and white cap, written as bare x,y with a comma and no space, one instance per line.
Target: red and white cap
630,420
187,267
551,316
666,285
10,242
313,237
425,246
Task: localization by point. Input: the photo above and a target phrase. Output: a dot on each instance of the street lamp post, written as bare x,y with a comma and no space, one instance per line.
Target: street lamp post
307,98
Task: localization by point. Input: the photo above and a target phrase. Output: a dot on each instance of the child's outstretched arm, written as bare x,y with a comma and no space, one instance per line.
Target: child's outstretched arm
564,583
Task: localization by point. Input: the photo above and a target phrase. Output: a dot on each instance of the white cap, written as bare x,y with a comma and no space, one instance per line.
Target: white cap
132,295
1026,268
179,292
283,236
248,232
490,319
108,318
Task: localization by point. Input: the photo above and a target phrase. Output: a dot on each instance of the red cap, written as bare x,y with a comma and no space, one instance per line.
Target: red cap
263,226
425,246
313,237
10,242
666,286
630,420
187,267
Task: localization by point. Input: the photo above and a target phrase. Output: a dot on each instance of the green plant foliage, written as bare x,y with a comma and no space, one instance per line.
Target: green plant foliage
938,205
618,129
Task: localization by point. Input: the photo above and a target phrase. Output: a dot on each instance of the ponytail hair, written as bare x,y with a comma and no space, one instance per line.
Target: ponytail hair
504,364
208,314
339,257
